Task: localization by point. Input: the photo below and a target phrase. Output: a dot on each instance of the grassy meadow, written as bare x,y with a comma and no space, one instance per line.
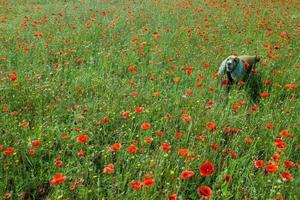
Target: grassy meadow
121,100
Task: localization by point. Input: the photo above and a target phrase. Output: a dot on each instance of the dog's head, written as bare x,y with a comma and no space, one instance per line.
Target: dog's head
231,63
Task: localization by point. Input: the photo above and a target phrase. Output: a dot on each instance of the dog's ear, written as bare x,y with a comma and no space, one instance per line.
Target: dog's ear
236,60
222,68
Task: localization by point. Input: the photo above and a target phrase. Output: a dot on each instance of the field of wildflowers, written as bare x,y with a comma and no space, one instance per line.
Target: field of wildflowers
121,100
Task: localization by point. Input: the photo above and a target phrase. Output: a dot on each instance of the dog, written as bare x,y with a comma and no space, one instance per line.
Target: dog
237,68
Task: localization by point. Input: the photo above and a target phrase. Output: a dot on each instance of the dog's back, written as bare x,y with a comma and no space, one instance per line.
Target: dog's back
240,70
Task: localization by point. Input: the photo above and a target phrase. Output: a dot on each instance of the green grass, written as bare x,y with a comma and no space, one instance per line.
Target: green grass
57,95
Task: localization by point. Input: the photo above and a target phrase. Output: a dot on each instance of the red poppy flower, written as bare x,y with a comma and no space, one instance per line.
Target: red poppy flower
281,145
13,78
57,179
211,126
148,182
269,126
116,147
159,133
7,195
148,140
138,109
286,176
132,68
132,149
233,154
136,185
13,73
264,95
254,108
35,143
207,168
198,84
134,39
38,35
246,64
168,116
72,186
186,174
9,151
186,117
165,147
176,80
109,169
206,65
210,102
82,138
188,92
204,191
169,59
214,146
289,164
173,67
81,153
189,70
285,133
235,107
142,44
259,163
215,75
242,102
125,114
58,163
178,135
278,140
105,120
271,168
290,86
134,93
225,82
80,60
25,124
248,140
267,82
146,126
235,130
201,138
31,151
227,130
172,197
276,157
183,152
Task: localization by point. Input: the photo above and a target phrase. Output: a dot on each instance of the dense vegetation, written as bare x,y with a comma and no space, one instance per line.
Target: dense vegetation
121,100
